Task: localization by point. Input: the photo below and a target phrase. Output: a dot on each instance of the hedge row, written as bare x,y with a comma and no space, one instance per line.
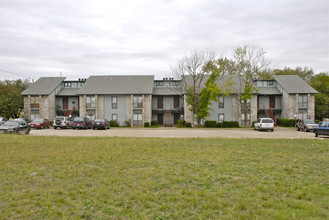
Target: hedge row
285,122
224,124
185,124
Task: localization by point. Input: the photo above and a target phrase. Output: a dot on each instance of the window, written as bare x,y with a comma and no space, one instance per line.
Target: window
90,102
159,84
34,116
220,117
138,119
137,102
67,84
34,102
114,102
220,101
175,84
302,101
115,117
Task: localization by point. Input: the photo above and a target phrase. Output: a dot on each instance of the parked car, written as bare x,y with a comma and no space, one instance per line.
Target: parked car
3,120
40,123
22,119
15,127
264,124
101,124
81,122
305,125
62,122
323,129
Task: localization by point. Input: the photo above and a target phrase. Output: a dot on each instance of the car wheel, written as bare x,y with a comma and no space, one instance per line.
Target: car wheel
258,128
298,129
272,130
41,127
73,128
55,128
316,134
93,128
27,131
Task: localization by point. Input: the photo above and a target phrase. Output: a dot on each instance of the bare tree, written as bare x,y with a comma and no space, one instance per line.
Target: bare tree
190,69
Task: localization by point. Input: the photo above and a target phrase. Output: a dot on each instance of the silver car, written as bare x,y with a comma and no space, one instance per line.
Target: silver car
62,122
264,124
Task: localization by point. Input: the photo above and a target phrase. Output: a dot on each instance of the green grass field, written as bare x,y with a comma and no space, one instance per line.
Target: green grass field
154,178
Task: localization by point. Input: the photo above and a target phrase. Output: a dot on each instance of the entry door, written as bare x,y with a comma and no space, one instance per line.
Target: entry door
65,103
160,102
272,101
160,119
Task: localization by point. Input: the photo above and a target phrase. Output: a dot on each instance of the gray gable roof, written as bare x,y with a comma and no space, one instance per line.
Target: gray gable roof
132,84
268,91
68,92
43,86
294,84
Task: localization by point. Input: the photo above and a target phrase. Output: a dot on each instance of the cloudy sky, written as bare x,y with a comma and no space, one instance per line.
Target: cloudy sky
78,38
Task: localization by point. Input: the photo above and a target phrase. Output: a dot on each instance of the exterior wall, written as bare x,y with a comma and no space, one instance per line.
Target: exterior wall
129,109
227,110
99,101
47,106
311,106
253,109
236,109
147,108
82,106
27,109
188,116
120,110
289,105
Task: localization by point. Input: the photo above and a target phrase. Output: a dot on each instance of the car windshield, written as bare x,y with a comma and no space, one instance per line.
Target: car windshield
309,122
11,123
59,118
78,119
267,121
99,120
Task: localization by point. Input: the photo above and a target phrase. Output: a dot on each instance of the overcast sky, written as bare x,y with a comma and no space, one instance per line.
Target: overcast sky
79,38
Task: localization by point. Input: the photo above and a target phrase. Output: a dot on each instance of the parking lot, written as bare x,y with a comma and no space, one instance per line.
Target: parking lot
163,132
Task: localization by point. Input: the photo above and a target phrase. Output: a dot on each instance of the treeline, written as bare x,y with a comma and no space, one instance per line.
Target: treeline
11,100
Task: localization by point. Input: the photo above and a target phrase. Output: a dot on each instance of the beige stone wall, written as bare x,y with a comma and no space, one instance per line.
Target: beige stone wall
311,106
99,102
289,105
129,109
82,106
236,108
27,108
188,115
147,108
253,108
47,106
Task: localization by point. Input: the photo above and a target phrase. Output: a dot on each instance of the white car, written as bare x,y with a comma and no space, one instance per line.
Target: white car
264,124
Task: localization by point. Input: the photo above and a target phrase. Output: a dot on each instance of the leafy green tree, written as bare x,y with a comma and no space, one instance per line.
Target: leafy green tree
248,64
11,100
320,82
304,73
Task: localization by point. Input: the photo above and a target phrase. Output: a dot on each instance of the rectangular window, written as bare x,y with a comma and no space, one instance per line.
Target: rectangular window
220,101
175,84
138,101
67,85
138,119
34,116
302,101
159,84
114,102
115,117
220,117
90,102
34,102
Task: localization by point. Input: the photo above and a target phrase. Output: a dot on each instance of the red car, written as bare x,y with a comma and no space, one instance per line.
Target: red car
40,123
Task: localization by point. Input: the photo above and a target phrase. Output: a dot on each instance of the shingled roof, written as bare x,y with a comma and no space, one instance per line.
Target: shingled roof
102,85
293,84
43,86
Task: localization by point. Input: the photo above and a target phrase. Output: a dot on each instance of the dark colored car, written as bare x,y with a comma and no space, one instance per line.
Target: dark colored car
81,123
305,125
22,119
323,129
16,127
40,123
101,124
3,120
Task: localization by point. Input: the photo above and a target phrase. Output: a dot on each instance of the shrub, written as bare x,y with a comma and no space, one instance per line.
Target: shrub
228,124
188,124
146,124
185,124
114,123
155,122
285,122
127,124
210,124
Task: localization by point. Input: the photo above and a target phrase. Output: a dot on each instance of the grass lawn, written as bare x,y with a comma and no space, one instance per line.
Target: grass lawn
154,178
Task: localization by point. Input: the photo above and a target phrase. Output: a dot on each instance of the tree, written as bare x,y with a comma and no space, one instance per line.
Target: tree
11,100
191,70
248,64
304,73
320,82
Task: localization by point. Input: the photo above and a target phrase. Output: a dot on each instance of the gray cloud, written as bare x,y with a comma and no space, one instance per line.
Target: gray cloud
78,38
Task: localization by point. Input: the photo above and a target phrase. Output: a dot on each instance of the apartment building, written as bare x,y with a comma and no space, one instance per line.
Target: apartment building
136,99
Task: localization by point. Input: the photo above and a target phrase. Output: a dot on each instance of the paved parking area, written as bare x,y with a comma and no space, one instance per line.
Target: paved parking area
285,133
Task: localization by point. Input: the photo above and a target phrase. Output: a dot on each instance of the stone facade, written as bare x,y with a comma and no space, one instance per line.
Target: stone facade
236,108
99,102
147,108
253,109
311,106
27,109
129,109
82,105
188,115
289,105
